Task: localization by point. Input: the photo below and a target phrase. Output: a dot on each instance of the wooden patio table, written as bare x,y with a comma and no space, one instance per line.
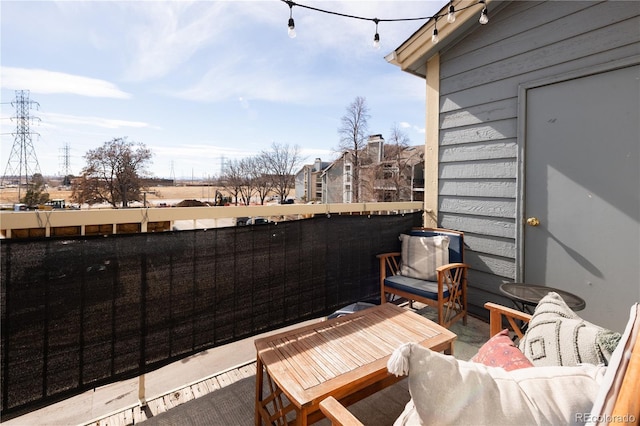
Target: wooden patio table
344,357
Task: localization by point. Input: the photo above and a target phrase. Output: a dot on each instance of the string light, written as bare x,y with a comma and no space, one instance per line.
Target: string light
376,41
484,16
434,37
292,26
451,17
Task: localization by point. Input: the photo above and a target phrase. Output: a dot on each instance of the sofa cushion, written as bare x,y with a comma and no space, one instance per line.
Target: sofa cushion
500,351
422,255
448,391
428,289
556,335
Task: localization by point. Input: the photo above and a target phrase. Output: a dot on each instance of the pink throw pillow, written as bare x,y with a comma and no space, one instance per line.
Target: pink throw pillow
500,351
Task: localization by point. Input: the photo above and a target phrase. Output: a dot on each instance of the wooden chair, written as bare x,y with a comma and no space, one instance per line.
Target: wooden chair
448,293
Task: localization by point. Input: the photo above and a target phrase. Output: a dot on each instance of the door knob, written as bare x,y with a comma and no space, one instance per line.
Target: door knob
533,221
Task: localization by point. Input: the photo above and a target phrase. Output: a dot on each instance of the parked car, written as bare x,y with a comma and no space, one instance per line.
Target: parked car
257,221
287,201
241,221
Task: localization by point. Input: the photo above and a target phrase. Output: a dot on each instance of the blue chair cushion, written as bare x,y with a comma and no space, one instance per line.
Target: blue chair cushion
426,289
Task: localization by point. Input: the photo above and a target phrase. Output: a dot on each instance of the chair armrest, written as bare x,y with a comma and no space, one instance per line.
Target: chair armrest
496,312
385,255
337,413
452,266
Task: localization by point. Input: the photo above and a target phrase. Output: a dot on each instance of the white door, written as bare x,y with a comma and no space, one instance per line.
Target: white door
582,182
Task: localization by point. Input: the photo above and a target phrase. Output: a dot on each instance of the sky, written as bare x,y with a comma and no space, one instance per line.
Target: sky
201,83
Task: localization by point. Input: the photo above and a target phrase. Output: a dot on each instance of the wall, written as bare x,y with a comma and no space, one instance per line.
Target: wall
479,79
333,183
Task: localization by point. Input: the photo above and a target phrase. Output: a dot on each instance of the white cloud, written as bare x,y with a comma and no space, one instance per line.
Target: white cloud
48,82
310,154
262,80
405,125
168,34
201,151
107,123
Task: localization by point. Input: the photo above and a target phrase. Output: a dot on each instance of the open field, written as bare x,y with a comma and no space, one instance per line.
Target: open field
174,194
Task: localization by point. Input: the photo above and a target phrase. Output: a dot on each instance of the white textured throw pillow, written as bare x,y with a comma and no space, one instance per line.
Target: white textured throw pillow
558,336
422,255
446,391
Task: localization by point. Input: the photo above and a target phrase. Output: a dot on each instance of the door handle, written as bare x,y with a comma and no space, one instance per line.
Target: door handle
533,221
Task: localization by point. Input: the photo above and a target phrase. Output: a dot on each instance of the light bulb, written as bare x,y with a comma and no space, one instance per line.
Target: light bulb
292,29
451,16
434,37
484,17
376,38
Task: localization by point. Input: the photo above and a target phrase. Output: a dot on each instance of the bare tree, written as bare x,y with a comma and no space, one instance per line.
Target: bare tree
397,164
249,178
232,179
353,133
393,176
113,173
264,180
281,162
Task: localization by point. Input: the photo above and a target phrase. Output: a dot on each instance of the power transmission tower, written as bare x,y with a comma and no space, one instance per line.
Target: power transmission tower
65,160
23,163
172,173
66,165
223,168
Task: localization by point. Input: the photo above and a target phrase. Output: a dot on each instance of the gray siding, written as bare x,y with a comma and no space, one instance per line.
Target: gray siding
480,76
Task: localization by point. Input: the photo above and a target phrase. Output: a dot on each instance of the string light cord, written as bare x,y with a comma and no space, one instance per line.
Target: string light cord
450,15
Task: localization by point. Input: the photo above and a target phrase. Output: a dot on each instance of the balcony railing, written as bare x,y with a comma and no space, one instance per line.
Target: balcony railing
29,224
82,311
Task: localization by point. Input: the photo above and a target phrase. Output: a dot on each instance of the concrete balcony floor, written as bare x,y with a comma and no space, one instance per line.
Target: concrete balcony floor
217,387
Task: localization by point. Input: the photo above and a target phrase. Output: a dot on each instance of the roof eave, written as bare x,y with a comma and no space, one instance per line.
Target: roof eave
412,55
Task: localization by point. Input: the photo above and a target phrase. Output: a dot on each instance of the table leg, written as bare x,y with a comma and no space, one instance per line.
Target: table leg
271,409
259,378
302,418
449,350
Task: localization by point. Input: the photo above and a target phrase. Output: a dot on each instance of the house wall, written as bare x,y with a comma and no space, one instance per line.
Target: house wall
333,183
315,186
301,178
309,181
478,146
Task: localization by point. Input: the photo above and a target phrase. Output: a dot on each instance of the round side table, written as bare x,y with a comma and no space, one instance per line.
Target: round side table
526,296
